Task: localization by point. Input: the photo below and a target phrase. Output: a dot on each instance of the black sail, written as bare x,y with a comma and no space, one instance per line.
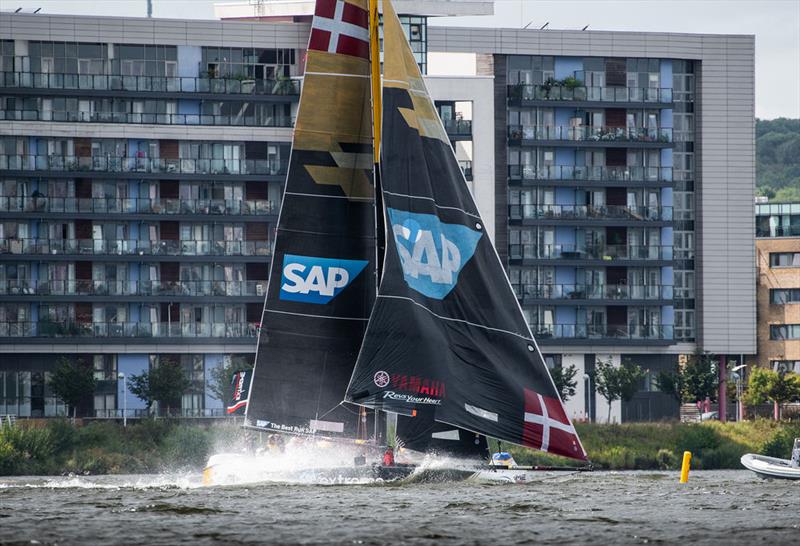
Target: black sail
423,433
447,333
323,275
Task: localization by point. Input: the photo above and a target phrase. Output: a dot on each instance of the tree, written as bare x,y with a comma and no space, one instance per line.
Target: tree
564,379
700,378
219,384
672,383
72,381
164,383
778,386
617,383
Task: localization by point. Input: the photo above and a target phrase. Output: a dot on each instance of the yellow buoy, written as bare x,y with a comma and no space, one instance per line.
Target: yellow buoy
207,480
687,460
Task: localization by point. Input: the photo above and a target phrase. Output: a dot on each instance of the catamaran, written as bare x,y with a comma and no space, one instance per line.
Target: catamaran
388,316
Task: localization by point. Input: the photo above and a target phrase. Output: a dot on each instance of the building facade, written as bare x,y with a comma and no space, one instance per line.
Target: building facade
142,163
778,292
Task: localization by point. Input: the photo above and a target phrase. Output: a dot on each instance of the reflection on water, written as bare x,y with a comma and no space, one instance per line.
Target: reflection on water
601,507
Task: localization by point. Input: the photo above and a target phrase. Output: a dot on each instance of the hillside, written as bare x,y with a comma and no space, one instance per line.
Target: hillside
778,159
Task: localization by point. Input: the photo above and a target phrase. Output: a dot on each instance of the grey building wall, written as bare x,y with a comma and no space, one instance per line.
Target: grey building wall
725,121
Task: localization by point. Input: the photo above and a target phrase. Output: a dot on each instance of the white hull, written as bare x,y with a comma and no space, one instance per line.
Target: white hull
770,467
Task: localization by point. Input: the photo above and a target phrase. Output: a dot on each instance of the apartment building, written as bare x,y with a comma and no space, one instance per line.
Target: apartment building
142,164
778,292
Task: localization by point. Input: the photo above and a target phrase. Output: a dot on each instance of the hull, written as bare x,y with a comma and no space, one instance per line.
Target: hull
770,467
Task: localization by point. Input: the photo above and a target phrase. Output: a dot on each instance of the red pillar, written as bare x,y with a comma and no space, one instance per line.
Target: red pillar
723,393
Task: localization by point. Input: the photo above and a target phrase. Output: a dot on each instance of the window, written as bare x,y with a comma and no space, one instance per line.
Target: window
782,296
784,331
784,259
105,368
785,365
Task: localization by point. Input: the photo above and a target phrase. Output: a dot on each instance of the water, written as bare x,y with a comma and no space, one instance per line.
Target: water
730,507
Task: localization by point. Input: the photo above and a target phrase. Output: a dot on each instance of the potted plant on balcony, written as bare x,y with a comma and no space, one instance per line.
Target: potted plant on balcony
515,91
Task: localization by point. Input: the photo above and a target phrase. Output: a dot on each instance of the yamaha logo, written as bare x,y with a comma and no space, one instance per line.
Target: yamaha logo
381,379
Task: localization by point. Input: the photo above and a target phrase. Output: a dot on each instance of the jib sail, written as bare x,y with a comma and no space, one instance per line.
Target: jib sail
322,279
446,333
422,433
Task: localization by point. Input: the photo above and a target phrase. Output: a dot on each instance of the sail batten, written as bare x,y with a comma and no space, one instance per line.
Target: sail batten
446,337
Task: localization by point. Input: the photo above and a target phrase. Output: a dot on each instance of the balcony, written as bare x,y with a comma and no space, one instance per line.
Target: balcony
458,129
148,119
133,288
581,173
141,330
144,84
591,134
466,168
616,292
132,247
142,165
580,93
602,252
590,212
620,332
102,205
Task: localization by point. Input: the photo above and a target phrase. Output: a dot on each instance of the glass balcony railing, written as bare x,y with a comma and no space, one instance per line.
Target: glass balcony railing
60,163
458,127
139,205
72,329
133,247
589,212
529,92
593,291
102,82
608,253
132,288
590,133
590,174
466,168
78,116
634,332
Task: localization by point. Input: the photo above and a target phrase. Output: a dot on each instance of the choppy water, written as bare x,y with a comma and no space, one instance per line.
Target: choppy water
726,507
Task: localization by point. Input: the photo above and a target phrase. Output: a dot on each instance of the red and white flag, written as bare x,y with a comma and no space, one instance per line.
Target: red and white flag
340,27
548,428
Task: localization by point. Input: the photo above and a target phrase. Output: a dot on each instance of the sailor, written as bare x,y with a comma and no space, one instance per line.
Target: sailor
388,457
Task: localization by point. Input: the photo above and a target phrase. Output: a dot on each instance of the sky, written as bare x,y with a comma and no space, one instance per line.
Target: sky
775,23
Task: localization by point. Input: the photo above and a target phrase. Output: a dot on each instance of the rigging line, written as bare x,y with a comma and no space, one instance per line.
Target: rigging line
314,316
337,74
364,199
435,204
455,319
324,233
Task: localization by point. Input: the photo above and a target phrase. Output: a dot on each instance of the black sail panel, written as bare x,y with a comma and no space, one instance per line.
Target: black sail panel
447,333
424,434
323,274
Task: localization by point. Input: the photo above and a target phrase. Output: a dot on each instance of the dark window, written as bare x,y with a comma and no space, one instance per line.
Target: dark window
784,259
784,295
784,331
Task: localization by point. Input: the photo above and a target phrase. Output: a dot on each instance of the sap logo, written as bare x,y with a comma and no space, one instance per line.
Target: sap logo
316,280
431,252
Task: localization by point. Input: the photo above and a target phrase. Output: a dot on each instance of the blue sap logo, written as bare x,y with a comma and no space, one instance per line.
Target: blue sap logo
316,280
432,253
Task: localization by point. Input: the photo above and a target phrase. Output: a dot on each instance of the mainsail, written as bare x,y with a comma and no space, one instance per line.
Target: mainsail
323,275
446,332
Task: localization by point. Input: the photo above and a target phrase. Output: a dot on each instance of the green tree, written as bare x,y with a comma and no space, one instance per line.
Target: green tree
564,379
164,383
778,387
72,381
672,383
700,378
219,382
620,383
778,158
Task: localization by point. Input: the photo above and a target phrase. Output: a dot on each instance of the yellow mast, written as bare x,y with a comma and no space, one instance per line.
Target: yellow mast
375,58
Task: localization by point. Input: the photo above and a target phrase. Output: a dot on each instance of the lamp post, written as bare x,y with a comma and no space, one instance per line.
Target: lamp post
738,378
124,399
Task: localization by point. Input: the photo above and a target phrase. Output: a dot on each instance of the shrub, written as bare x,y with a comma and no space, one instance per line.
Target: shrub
666,459
186,446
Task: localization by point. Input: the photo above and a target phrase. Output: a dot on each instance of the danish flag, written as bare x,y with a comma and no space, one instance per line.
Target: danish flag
340,27
547,427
